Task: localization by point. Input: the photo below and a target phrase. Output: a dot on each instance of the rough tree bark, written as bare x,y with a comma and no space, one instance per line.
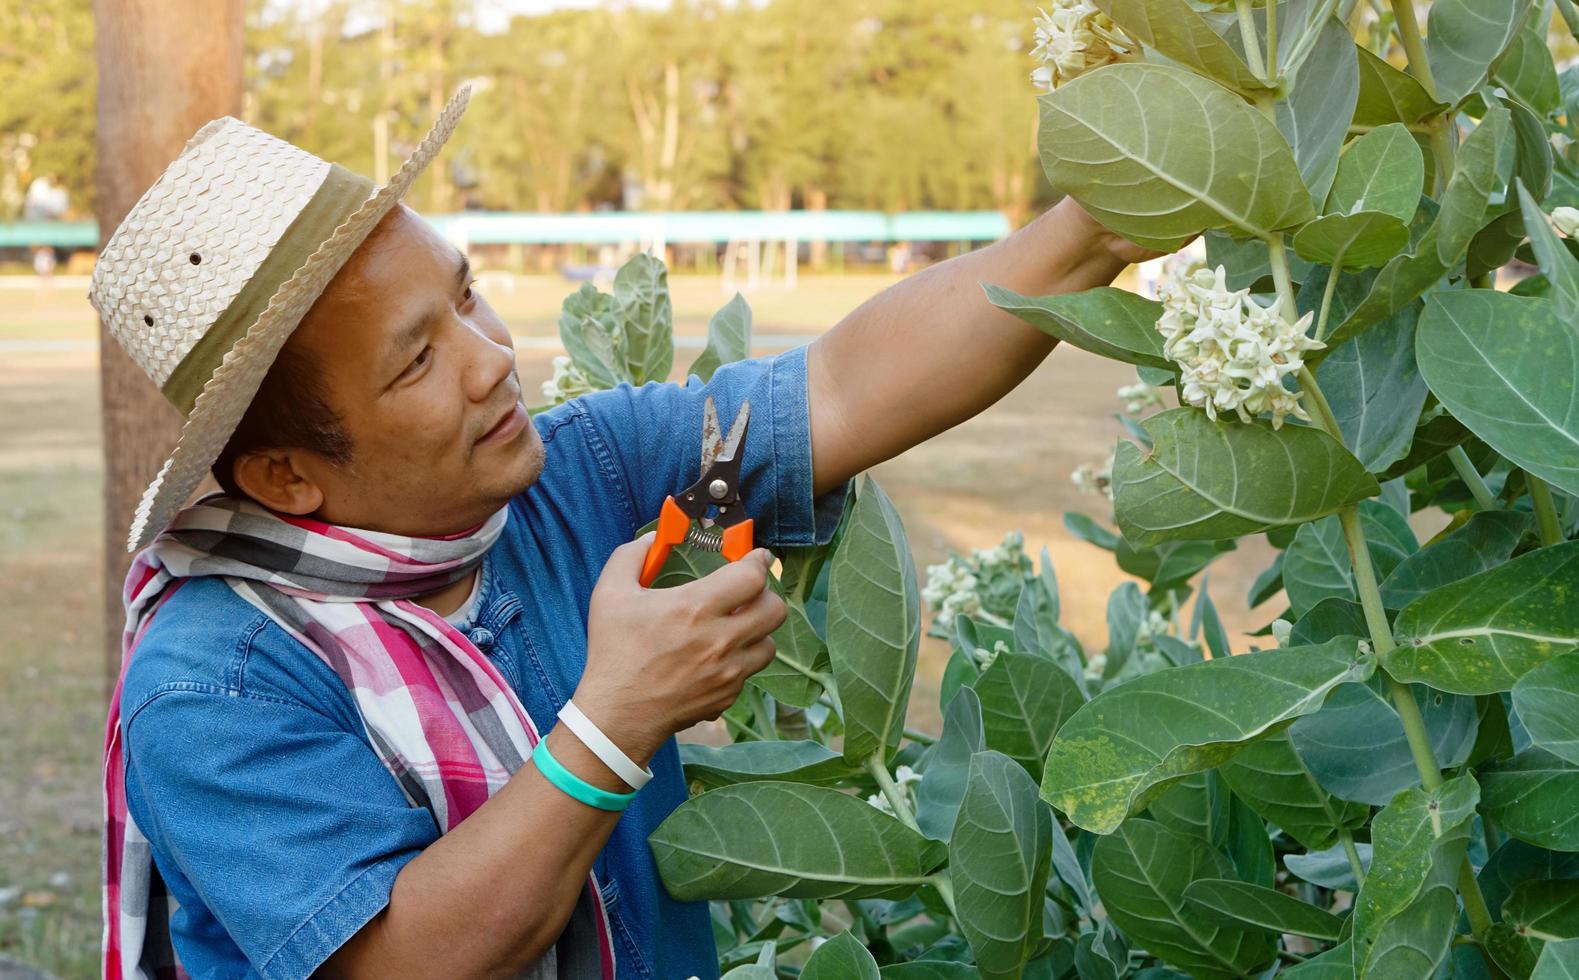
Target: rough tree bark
165,67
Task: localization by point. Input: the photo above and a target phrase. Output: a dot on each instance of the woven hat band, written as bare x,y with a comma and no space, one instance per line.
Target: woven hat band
340,194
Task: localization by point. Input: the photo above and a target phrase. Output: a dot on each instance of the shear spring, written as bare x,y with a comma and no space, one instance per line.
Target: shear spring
707,539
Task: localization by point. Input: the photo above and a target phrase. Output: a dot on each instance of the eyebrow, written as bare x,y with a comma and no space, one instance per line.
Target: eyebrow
407,336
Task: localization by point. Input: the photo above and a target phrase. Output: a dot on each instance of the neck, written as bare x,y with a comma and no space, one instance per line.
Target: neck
448,599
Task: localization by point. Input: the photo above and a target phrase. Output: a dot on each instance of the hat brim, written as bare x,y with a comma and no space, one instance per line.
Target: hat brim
226,396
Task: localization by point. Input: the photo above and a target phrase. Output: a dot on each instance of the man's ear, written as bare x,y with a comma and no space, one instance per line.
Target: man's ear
275,479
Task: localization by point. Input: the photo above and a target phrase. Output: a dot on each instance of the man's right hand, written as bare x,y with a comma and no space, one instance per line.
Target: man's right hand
661,660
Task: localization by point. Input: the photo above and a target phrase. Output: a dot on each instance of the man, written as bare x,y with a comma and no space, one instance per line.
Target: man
338,670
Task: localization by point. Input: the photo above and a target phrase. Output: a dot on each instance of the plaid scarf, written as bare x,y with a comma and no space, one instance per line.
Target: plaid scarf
442,719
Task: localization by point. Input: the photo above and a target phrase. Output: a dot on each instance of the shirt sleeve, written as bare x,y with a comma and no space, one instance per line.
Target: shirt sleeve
286,825
654,437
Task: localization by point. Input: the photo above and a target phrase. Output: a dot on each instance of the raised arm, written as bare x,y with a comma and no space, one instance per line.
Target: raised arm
928,353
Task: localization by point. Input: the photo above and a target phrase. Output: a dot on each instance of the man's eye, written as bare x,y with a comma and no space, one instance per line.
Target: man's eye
422,358
467,296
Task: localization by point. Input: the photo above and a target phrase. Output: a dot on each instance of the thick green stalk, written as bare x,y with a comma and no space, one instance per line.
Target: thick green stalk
1271,43
1247,34
891,791
1465,468
1414,47
1353,855
1333,274
1280,276
1545,510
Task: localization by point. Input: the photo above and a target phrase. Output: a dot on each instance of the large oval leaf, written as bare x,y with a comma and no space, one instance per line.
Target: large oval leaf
1355,745
1314,118
1547,701
999,856
1558,264
1375,390
742,762
841,958
1142,873
1114,323
798,653
761,839
1381,171
1207,480
1516,862
1388,95
641,295
1465,38
1238,903
1269,777
728,339
1405,913
1025,699
874,625
1537,913
1174,28
1129,743
1508,368
948,764
1535,797
1160,154
1481,634
1484,542
1559,961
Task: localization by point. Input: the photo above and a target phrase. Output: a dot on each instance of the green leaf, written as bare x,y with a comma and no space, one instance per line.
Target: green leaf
1434,436
1336,963
1547,702
1559,265
1516,862
999,855
1362,240
1483,543
1174,28
1142,872
1329,868
1314,119
943,785
1316,565
929,970
1375,390
1381,171
1142,147
1025,699
1355,744
840,958
1468,194
1507,367
1330,618
1538,913
1406,911
1527,71
1388,95
588,327
1114,323
1171,564
874,625
1464,38
1269,777
760,839
798,650
1559,961
1481,634
1207,480
1127,610
641,295
1535,797
1247,263
793,761
1532,150
1250,845
728,338
1251,906
1101,955
1123,748
1197,804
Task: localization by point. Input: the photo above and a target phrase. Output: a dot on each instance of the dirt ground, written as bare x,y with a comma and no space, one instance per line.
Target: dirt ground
1008,468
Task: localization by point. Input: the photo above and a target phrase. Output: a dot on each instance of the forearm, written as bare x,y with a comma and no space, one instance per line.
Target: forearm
496,892
930,352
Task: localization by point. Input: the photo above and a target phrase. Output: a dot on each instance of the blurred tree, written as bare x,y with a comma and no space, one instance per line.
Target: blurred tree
46,116
165,67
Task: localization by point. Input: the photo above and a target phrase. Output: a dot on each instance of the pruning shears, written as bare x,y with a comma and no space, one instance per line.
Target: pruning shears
728,531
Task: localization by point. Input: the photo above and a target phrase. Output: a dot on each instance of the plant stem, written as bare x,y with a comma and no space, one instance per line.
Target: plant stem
1353,854
1280,277
1484,499
891,791
1545,510
1414,48
1271,42
1247,33
1333,274
945,888
766,722
921,737
994,620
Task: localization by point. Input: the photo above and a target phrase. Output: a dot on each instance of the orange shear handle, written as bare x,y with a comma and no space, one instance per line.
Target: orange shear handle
672,527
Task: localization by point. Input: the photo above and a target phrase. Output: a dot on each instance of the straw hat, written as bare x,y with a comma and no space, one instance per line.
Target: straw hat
216,265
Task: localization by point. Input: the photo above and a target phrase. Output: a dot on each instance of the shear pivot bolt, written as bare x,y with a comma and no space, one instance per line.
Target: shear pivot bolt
719,489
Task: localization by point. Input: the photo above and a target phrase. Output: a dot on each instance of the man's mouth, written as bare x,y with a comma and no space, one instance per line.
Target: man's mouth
508,426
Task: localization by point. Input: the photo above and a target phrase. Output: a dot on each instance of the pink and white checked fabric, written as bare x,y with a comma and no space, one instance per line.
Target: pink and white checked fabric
442,719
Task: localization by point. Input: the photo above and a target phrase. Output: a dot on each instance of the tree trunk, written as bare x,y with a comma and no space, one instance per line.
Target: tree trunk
166,67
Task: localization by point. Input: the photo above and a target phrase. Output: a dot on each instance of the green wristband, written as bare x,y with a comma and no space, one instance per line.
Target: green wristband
573,785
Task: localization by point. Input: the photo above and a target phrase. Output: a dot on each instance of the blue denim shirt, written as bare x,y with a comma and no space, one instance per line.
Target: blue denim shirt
272,821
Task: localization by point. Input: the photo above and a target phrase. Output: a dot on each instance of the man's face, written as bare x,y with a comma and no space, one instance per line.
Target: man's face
422,374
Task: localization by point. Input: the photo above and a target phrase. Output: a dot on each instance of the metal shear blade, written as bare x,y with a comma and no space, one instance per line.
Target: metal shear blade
715,445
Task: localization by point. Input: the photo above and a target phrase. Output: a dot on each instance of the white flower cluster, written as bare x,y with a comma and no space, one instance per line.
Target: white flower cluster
986,658
904,777
970,585
1234,352
1567,220
1156,624
951,590
1140,396
568,381
1073,39
1090,478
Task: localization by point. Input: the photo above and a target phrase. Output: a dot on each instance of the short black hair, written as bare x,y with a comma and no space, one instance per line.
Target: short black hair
290,411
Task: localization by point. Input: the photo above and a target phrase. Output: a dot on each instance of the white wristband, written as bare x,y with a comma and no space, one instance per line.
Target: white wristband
593,738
